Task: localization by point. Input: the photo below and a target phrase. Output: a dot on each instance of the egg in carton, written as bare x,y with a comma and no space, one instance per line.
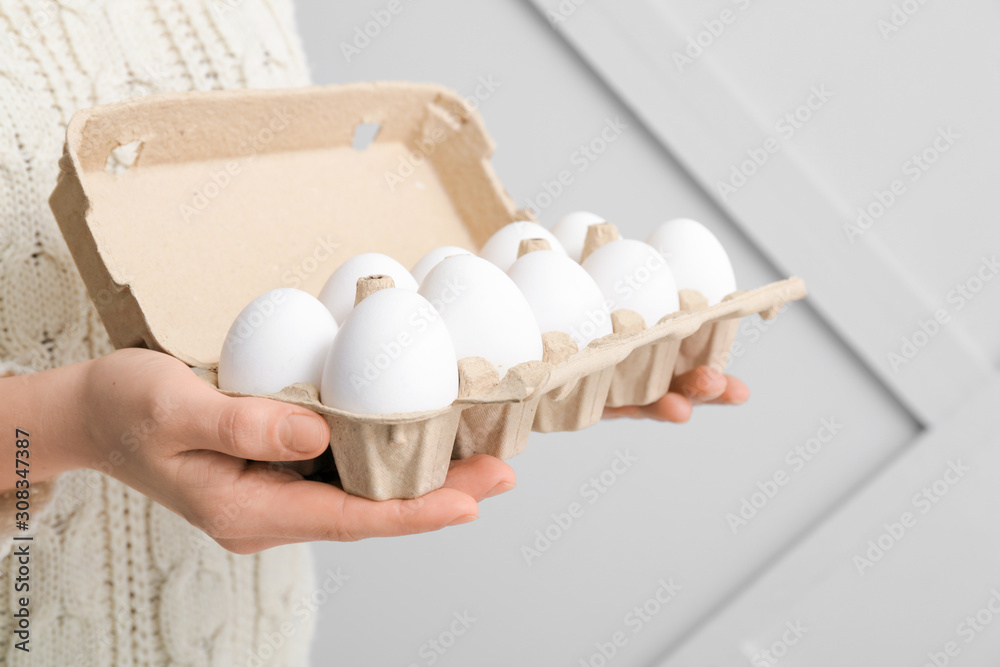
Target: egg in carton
636,364
640,378
632,366
403,456
554,402
179,209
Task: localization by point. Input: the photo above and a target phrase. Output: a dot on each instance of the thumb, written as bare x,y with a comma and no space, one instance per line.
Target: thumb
262,429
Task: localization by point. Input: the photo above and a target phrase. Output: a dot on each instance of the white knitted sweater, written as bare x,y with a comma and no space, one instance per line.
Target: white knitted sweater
117,579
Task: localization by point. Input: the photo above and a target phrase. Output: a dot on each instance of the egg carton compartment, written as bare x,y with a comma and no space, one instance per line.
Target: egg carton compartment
407,455
577,404
712,344
376,456
496,416
644,375
642,361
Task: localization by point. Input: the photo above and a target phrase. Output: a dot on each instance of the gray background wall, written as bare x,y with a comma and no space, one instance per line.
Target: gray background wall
825,359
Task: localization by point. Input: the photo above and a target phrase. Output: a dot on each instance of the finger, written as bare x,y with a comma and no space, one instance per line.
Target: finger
256,428
736,392
700,385
671,408
309,510
481,476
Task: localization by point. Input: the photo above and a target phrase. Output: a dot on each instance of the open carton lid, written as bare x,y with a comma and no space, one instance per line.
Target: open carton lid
180,209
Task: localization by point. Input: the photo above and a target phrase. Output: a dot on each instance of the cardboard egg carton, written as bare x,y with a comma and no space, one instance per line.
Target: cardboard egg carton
180,209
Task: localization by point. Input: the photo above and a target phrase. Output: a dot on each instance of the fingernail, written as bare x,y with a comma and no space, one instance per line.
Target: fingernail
463,519
302,433
501,487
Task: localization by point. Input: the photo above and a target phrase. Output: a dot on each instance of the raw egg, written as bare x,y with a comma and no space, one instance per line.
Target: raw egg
432,259
562,296
339,291
696,257
393,354
502,248
633,275
280,338
572,231
485,312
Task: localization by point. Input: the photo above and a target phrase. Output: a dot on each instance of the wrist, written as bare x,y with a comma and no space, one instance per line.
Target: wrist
44,410
61,400
80,428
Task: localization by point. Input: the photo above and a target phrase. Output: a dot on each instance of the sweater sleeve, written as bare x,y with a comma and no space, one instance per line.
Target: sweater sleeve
40,494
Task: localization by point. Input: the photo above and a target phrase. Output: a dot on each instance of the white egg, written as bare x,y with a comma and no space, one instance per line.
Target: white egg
486,314
562,295
432,259
503,246
281,338
572,231
633,275
696,257
340,290
393,354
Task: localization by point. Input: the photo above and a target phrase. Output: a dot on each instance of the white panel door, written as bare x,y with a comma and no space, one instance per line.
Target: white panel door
855,143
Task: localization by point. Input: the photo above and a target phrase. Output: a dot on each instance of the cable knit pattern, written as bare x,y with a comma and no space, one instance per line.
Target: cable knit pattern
117,579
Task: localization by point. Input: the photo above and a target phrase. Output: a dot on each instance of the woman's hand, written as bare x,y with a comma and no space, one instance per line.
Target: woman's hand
152,424
697,386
